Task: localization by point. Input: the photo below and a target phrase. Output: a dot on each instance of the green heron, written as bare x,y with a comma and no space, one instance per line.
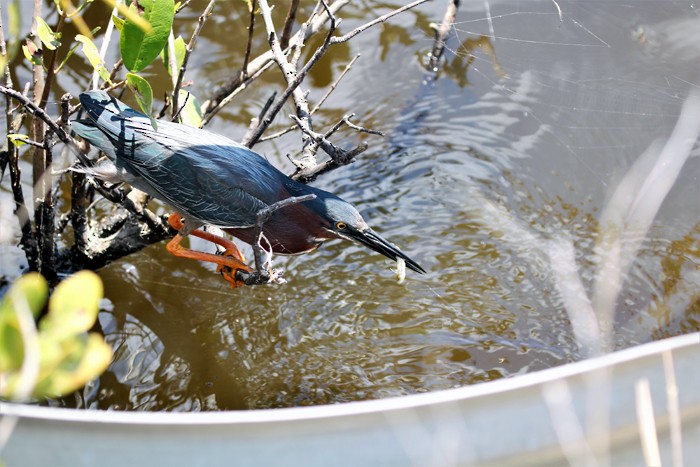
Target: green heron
212,180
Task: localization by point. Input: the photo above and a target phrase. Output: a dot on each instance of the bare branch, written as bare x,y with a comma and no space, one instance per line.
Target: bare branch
105,42
264,59
244,85
441,33
256,120
335,84
249,45
339,157
289,23
79,205
292,77
308,174
34,110
134,201
188,51
381,19
184,5
361,129
27,240
318,105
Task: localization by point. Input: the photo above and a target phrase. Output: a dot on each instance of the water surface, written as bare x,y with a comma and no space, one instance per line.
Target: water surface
522,137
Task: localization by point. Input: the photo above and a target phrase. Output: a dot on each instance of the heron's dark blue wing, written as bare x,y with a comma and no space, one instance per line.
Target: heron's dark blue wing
201,174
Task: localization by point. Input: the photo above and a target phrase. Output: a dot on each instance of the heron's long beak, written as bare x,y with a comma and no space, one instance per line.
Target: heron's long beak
374,241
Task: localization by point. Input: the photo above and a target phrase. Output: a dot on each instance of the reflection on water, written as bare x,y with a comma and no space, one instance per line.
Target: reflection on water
523,137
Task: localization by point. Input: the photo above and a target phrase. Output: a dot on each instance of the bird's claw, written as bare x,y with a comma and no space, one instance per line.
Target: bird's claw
252,277
227,272
258,277
240,276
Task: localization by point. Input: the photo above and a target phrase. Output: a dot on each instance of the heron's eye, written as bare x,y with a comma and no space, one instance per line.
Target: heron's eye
340,225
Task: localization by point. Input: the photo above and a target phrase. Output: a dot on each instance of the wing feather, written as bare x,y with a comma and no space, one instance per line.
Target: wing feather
201,174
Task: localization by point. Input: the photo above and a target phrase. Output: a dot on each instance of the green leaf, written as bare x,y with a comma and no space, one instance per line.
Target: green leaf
85,359
180,47
58,6
18,139
32,289
118,23
68,55
143,94
73,306
72,50
32,52
68,357
58,357
95,360
140,47
93,56
80,8
46,34
191,114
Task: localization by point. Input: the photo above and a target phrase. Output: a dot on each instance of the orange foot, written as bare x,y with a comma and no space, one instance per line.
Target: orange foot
227,272
229,262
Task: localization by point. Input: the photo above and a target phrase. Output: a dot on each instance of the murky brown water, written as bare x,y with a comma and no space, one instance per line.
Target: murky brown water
523,136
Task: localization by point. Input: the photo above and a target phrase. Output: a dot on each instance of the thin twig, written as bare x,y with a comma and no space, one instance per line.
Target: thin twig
264,60
361,129
28,239
289,23
292,77
105,42
188,51
42,157
318,105
381,19
34,110
244,85
184,5
441,33
182,107
255,120
335,84
280,133
297,45
106,86
249,45
30,142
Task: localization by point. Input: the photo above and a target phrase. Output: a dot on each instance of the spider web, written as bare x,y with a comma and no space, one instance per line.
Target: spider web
560,100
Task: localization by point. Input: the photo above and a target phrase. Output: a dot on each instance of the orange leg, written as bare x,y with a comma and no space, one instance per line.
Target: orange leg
229,262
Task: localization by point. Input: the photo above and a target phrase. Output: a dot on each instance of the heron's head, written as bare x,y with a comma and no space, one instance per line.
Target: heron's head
342,220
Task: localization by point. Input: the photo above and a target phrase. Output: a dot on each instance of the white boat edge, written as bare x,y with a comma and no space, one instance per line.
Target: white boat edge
543,417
